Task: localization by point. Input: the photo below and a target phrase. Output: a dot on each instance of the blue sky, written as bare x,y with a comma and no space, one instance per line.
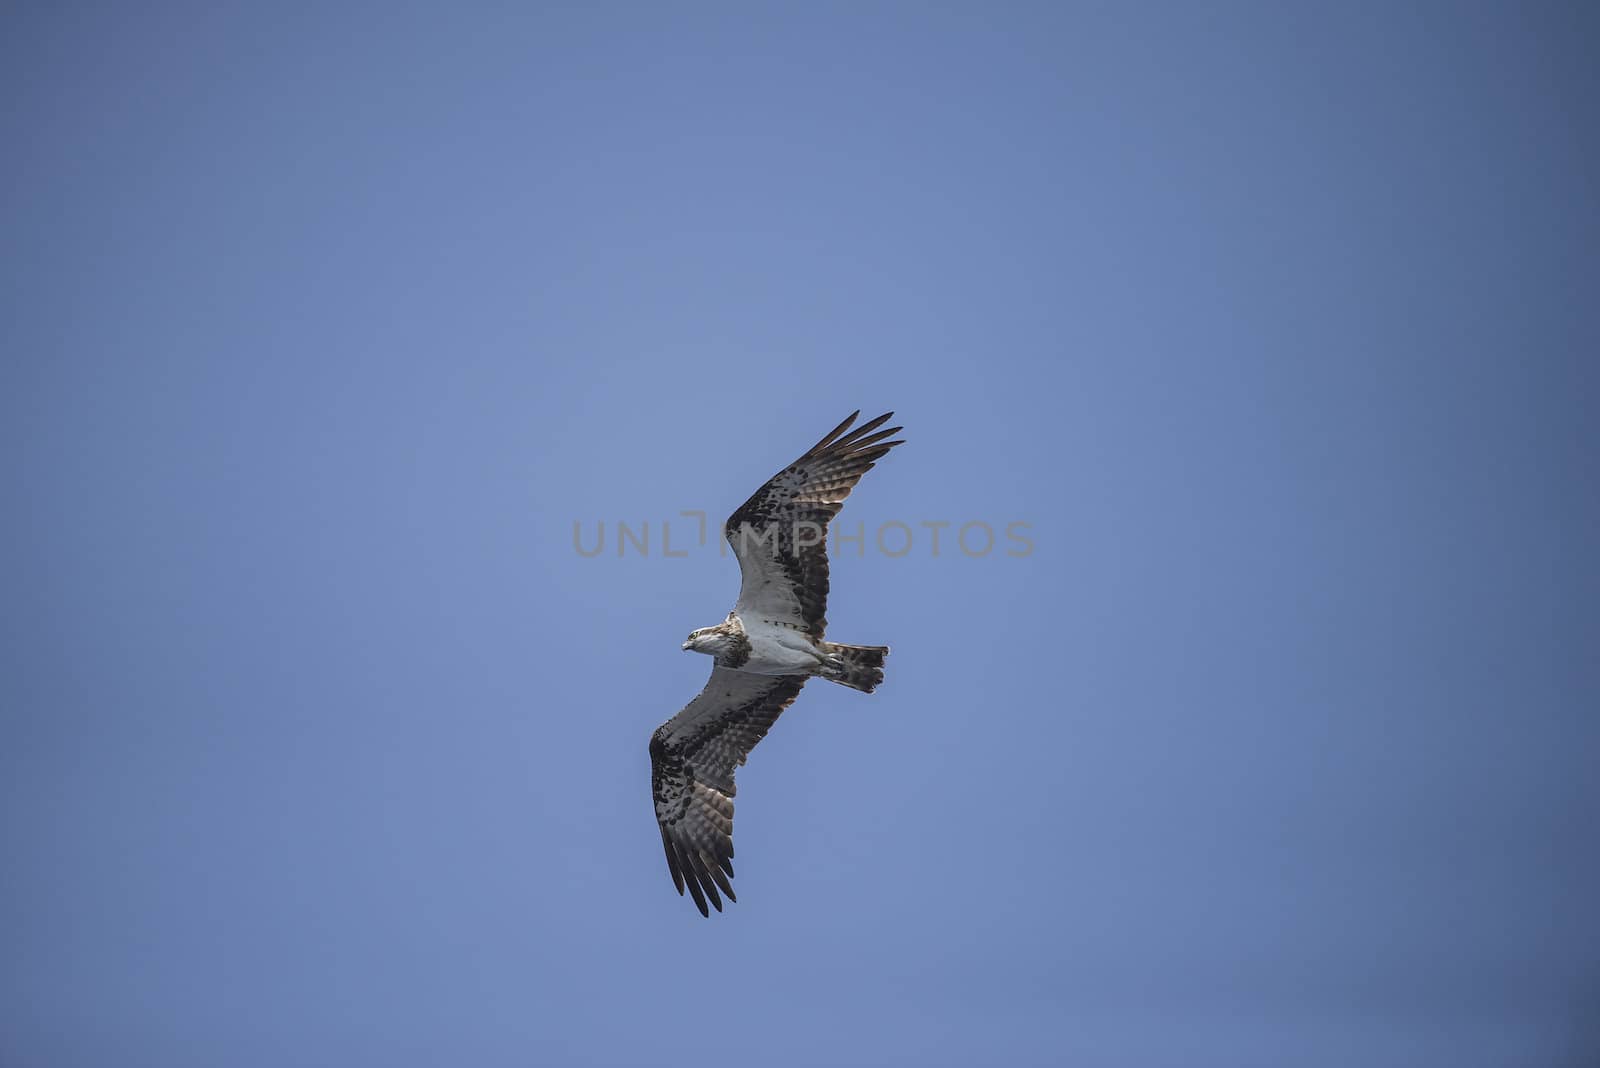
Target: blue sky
1276,324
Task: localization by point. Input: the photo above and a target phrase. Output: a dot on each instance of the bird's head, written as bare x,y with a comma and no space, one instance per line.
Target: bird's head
710,640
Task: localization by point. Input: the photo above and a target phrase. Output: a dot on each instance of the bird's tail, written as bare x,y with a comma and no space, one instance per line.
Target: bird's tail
859,667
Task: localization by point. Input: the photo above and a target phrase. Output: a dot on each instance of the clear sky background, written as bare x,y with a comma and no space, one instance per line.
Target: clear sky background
1277,323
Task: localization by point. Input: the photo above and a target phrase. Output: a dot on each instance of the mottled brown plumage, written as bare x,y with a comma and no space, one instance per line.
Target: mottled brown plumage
692,758
784,570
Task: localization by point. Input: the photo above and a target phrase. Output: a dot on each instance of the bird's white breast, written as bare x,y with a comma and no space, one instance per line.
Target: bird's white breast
776,649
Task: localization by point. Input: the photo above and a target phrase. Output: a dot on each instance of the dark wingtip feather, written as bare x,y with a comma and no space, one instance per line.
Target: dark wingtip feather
698,878
853,438
827,439
722,882
877,452
672,862
862,443
699,897
708,884
692,881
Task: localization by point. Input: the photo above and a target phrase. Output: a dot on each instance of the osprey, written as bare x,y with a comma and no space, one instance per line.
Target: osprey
766,649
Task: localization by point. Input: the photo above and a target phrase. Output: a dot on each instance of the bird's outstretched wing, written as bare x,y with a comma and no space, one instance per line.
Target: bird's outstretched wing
692,759
780,535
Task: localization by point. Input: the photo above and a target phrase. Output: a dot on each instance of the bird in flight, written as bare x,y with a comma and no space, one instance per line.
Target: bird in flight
764,652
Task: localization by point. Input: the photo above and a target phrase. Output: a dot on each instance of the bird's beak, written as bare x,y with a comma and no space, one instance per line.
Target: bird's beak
687,646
